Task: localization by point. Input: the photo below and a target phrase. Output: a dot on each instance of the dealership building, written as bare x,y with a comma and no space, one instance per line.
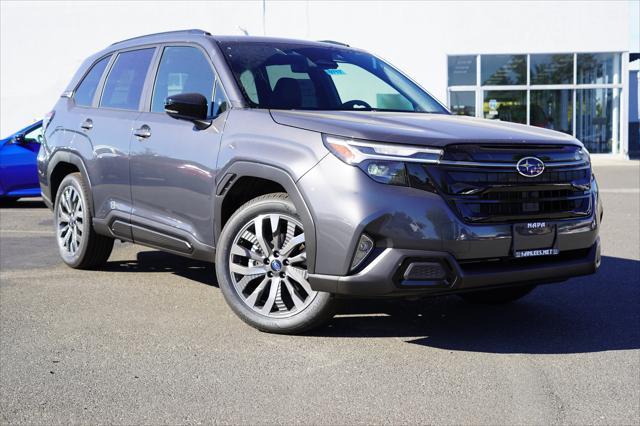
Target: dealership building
567,66
584,94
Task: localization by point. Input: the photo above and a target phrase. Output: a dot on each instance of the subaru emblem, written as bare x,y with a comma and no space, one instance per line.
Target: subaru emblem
276,265
530,166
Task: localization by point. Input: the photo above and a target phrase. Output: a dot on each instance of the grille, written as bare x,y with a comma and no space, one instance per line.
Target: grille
425,271
498,193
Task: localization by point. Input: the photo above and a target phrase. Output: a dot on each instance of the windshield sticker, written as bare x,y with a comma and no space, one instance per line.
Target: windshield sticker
335,71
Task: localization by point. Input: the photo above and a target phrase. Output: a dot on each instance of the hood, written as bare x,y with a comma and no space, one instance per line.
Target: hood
417,128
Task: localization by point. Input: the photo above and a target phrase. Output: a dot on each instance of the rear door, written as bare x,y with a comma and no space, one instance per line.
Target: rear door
106,128
173,167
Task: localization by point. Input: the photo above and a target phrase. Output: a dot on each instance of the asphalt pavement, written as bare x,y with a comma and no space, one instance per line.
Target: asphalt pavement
149,340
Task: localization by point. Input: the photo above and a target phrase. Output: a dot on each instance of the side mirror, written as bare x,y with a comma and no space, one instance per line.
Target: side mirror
19,139
189,106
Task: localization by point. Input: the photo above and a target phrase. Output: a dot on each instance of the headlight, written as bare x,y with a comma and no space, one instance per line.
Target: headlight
582,154
389,172
382,162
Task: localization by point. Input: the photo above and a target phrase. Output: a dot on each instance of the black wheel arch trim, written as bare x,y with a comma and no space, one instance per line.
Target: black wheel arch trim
67,156
243,168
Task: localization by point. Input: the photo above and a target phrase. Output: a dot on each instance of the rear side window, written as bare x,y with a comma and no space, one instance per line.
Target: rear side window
182,69
87,89
126,80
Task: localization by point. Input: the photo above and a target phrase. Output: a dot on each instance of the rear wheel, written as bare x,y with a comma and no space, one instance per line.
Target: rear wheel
261,264
497,296
79,245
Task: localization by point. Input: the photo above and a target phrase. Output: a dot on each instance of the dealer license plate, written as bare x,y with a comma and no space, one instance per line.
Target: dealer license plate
535,253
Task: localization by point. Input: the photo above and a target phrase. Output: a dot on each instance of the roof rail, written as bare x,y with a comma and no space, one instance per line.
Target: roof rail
191,31
334,42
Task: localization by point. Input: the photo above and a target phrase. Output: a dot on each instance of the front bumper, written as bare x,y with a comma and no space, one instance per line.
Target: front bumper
384,276
411,224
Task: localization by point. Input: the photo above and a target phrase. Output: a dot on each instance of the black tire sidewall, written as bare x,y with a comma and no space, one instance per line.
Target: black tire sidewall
320,308
74,260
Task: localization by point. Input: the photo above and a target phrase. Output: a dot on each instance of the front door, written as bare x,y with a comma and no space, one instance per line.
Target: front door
18,170
173,163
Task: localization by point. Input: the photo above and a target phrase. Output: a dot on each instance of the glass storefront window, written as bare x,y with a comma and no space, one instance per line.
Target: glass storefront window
575,93
552,109
551,69
462,70
505,105
598,68
595,110
503,69
463,103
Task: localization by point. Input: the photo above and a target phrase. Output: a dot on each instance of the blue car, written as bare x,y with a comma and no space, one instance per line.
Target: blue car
18,169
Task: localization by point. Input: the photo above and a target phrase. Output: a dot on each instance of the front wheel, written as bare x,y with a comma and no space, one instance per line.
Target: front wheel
498,296
261,265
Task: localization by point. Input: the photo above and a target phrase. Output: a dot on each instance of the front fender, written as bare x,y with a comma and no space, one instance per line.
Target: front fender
241,169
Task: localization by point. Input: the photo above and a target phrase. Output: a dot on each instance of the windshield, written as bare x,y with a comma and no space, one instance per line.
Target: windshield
310,77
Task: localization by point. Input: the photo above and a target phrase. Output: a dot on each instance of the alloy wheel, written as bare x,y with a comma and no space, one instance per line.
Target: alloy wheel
70,220
268,265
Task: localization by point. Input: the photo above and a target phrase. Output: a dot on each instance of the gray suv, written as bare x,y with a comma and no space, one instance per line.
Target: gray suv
308,172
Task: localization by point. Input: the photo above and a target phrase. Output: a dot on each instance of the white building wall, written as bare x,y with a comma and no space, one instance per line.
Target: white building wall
42,43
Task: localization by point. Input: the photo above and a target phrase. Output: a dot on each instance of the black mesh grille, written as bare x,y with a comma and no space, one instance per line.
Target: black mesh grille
498,193
429,271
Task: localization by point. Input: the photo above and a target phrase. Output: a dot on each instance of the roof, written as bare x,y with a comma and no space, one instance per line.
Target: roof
195,33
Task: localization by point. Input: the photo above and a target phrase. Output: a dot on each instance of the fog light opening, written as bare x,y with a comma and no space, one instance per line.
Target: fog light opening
363,248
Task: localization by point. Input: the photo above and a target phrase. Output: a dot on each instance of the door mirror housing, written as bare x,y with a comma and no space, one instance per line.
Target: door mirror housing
19,139
192,107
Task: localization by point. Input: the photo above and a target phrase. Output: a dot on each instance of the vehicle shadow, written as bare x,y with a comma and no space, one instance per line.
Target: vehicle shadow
158,261
588,314
24,203
599,312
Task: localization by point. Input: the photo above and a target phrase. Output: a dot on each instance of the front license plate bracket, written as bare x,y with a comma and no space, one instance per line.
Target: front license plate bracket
533,239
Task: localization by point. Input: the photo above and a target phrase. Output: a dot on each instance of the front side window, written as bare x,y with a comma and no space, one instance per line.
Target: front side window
220,101
182,69
34,136
312,77
87,89
125,82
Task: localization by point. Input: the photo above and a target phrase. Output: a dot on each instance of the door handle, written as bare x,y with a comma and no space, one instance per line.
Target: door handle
87,124
143,132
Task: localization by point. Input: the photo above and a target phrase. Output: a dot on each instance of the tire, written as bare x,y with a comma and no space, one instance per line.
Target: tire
79,245
497,296
264,279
